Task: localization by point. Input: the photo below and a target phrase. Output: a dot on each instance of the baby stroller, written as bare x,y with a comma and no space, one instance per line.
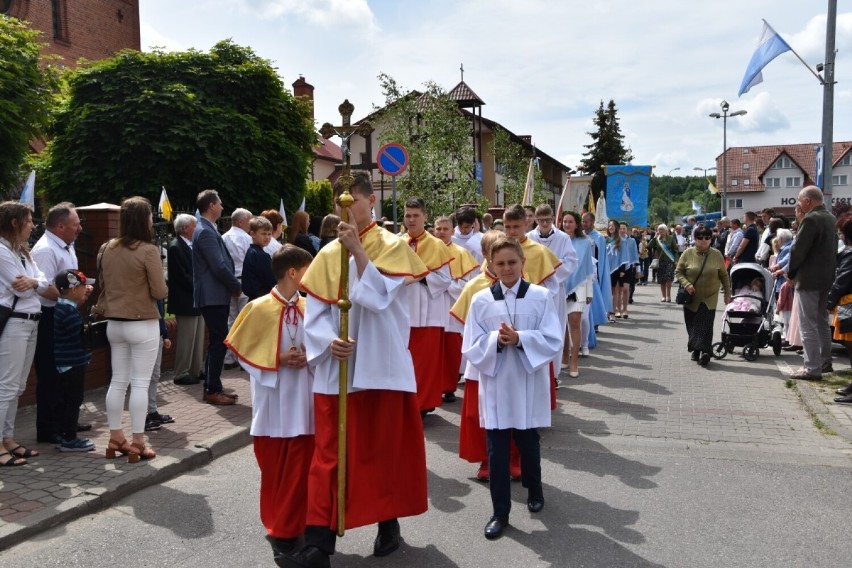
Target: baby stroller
748,323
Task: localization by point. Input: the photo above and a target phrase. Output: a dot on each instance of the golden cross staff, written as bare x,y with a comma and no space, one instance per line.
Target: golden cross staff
345,131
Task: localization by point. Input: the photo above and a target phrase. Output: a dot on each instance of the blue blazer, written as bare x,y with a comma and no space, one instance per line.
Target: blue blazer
213,280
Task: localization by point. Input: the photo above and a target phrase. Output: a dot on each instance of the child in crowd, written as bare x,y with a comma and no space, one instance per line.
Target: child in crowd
747,298
154,420
71,358
511,334
257,275
282,423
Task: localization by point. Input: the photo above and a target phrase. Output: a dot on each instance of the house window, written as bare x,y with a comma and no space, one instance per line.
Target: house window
746,181
60,30
795,181
745,151
846,161
782,163
733,183
735,204
772,182
745,166
840,180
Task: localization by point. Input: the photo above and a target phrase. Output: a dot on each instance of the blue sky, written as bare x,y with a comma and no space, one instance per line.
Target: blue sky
542,67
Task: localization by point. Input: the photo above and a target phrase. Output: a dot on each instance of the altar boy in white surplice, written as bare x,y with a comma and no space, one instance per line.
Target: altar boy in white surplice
511,334
268,339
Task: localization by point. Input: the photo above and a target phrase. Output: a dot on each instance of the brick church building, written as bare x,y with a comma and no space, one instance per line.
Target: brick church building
75,29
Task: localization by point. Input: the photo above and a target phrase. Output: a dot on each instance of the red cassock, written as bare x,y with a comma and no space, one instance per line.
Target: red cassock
452,360
426,346
284,465
386,459
471,435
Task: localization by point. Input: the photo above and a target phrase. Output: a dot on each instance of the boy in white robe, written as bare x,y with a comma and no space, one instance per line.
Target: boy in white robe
511,334
268,340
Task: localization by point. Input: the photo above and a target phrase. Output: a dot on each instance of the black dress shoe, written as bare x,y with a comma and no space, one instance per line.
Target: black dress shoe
535,505
282,546
495,527
83,427
695,355
844,399
308,557
845,390
388,538
449,397
704,360
187,380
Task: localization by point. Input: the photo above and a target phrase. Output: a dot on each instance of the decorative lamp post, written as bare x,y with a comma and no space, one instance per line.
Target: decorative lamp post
724,116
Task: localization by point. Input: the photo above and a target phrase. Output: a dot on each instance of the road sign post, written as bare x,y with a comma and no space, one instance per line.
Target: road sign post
392,160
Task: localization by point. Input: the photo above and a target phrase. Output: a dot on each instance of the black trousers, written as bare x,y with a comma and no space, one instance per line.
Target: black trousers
216,319
48,397
528,442
70,391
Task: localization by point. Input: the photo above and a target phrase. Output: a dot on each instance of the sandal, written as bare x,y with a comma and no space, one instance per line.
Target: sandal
27,453
114,446
12,461
140,451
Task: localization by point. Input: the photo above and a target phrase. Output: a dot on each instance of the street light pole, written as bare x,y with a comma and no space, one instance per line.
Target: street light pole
705,170
724,116
669,197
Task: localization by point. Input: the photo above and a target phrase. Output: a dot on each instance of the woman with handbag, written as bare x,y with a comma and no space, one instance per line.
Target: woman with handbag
132,281
841,295
20,284
663,249
701,272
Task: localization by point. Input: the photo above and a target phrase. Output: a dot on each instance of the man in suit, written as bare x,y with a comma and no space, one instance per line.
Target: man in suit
190,347
214,284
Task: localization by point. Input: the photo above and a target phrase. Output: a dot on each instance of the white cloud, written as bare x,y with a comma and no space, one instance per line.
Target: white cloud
151,38
341,14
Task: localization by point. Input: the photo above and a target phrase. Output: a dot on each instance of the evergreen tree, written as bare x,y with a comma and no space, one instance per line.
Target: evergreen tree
607,147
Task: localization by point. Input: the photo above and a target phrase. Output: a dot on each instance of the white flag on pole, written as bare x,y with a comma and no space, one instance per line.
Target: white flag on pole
770,46
283,214
302,206
529,187
28,193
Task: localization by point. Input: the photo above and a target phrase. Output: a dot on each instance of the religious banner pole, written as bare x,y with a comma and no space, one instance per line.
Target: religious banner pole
345,131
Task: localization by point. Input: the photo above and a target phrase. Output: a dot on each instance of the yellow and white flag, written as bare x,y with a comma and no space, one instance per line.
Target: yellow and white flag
529,187
165,207
712,188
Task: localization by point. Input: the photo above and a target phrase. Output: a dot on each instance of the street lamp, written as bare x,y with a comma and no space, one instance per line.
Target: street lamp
705,170
669,197
724,116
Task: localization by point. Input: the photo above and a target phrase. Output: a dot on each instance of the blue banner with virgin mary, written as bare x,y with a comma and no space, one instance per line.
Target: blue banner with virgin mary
627,194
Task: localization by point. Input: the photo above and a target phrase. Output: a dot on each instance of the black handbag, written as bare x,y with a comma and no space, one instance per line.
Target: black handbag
95,334
683,297
5,313
844,317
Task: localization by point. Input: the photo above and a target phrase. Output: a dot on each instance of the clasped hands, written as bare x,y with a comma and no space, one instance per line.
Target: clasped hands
294,358
507,335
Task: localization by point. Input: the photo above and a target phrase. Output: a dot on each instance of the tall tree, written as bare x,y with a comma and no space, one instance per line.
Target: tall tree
437,137
183,120
26,98
607,147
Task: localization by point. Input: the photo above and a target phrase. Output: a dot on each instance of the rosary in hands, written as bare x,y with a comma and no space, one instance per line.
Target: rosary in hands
294,358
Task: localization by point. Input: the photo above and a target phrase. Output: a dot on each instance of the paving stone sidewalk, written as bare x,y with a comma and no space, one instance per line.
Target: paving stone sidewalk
55,487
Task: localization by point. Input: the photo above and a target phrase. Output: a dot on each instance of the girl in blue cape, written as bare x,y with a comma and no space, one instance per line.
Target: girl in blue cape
580,290
623,255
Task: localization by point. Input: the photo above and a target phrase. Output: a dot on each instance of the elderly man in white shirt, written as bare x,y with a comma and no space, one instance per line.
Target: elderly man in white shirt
237,241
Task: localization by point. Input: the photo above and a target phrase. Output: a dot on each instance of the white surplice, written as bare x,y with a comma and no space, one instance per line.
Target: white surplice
514,381
471,242
379,324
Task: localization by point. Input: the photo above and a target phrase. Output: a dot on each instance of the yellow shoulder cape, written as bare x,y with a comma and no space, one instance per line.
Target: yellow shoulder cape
390,255
463,262
431,250
483,280
255,336
540,263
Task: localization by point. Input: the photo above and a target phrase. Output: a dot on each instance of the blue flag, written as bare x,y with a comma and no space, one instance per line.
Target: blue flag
627,194
819,157
770,46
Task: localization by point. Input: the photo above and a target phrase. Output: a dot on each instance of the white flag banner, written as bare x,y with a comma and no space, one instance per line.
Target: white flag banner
28,193
283,214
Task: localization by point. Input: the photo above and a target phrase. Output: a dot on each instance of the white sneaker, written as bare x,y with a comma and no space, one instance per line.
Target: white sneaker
584,351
